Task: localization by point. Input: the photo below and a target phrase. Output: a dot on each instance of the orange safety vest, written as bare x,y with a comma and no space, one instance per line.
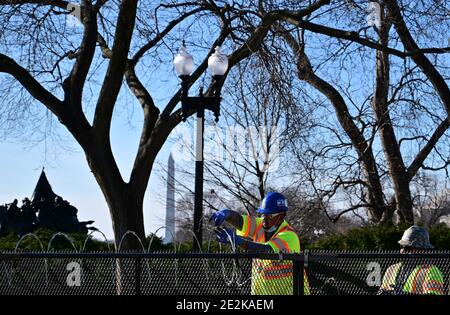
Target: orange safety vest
271,277
424,279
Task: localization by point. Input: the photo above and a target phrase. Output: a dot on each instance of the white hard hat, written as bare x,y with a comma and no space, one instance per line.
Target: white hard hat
416,237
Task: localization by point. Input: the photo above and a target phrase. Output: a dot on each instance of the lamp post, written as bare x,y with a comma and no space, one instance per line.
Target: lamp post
217,65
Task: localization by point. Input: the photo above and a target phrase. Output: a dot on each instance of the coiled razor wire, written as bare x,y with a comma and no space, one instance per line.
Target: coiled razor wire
154,235
65,236
175,248
342,276
211,229
142,246
42,249
71,241
49,249
234,279
133,234
88,237
205,261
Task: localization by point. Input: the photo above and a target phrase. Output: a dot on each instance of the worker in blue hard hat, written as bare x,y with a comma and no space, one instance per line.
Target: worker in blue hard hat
269,232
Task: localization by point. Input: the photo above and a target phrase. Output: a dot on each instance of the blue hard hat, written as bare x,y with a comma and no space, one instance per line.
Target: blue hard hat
273,203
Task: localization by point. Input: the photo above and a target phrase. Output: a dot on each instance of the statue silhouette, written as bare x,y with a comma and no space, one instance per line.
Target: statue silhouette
28,215
53,212
13,215
3,220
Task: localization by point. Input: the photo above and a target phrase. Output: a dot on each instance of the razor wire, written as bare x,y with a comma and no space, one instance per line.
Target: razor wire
206,269
175,272
234,272
334,273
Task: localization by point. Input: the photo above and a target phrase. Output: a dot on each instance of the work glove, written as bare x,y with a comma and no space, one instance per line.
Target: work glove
228,236
220,216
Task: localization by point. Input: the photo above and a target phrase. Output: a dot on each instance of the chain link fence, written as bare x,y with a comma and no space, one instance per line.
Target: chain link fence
168,273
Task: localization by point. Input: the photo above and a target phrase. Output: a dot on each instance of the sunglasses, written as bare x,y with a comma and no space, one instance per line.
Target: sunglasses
269,216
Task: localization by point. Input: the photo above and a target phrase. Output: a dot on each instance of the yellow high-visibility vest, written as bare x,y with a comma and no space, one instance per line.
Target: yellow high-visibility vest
271,277
424,279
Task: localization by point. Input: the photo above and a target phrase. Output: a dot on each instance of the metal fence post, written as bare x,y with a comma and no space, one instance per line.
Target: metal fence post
298,272
137,276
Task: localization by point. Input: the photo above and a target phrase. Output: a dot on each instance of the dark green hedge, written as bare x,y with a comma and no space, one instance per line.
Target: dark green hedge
365,238
9,241
378,237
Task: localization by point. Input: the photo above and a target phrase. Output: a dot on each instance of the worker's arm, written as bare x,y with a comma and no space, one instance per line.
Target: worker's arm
255,247
230,216
236,220
226,236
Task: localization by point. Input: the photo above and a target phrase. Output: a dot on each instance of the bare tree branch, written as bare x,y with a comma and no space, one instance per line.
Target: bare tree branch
116,69
419,58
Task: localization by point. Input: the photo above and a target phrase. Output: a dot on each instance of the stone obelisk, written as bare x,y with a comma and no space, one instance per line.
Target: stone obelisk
170,201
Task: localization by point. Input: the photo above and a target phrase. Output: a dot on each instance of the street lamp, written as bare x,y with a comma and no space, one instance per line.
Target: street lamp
217,65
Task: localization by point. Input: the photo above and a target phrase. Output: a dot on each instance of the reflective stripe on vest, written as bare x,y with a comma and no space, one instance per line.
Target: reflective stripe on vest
271,273
259,234
434,286
280,244
419,280
416,282
250,226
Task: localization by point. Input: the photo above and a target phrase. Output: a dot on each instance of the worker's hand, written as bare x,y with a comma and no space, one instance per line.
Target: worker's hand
228,236
220,216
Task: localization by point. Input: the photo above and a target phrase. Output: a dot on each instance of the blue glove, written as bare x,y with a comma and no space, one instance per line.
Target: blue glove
228,236
220,216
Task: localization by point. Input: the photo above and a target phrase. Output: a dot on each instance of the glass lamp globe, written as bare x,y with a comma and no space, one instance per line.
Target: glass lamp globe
218,63
183,62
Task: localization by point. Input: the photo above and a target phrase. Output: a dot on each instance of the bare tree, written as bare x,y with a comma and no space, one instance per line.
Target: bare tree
55,66
382,125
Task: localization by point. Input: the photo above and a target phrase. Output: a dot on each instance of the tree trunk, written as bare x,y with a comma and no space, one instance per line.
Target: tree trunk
126,210
127,216
125,202
391,148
